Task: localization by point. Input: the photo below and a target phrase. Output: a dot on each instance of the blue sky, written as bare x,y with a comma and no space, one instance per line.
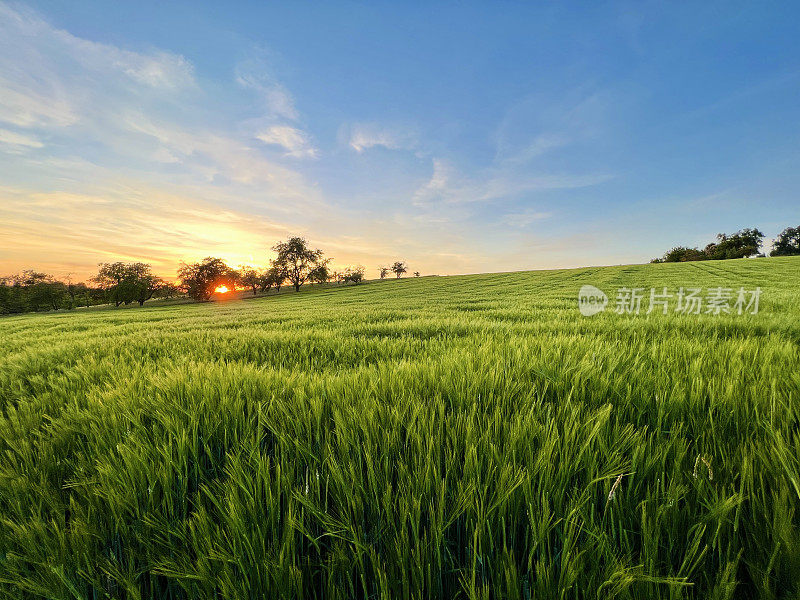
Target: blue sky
460,137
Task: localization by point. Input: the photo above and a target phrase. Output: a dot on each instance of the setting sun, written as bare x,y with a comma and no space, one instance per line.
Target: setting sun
223,289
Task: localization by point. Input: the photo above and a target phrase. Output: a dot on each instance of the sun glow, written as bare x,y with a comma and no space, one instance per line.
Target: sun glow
223,289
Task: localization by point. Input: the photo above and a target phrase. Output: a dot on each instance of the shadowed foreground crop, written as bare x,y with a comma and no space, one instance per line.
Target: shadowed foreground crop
421,438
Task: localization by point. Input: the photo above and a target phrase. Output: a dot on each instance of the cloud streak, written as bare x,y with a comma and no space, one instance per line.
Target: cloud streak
254,74
448,185
295,142
65,76
15,142
363,136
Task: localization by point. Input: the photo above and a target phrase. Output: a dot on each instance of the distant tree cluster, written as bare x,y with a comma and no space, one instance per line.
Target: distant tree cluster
115,283
399,269
295,262
787,243
350,275
122,283
742,244
199,280
31,291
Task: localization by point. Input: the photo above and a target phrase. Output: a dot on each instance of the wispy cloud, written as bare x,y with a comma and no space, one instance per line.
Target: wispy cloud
158,70
363,136
536,126
295,142
65,76
254,73
539,146
449,185
527,135
439,186
142,107
15,142
524,218
211,155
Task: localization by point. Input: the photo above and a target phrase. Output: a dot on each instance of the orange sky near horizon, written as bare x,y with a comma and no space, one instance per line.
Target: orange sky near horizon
68,234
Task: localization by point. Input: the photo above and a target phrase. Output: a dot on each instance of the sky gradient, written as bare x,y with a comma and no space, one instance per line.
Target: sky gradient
459,137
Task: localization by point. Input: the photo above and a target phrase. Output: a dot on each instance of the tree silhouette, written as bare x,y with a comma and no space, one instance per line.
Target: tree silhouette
787,243
296,260
398,268
199,280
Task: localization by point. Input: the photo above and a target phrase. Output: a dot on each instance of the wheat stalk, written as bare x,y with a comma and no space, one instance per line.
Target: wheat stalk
614,489
706,463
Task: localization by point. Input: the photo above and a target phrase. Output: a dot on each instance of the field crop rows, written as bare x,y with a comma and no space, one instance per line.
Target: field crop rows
470,437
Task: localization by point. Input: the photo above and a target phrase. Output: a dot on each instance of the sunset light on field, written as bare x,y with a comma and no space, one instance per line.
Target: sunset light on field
437,371
116,138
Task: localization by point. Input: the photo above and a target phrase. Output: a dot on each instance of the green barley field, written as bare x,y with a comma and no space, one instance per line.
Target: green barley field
440,437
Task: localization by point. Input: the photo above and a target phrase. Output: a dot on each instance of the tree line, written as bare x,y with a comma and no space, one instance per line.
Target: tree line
115,283
745,243
296,263
121,283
